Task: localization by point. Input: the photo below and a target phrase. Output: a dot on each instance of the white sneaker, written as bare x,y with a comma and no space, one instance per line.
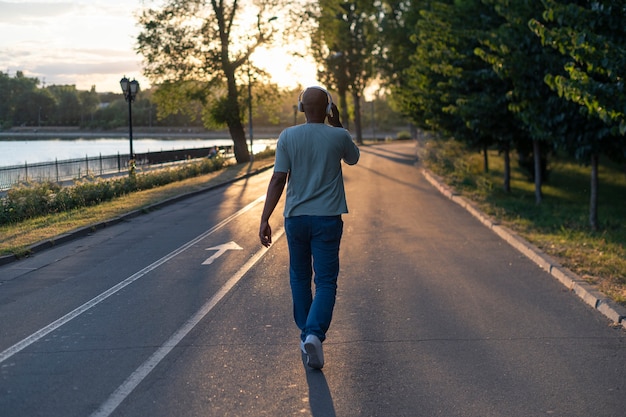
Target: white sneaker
302,347
315,354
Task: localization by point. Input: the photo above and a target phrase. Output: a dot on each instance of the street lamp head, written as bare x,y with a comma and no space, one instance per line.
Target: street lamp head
124,84
134,89
129,88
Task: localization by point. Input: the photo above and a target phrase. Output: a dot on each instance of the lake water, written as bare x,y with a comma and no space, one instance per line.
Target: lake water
21,150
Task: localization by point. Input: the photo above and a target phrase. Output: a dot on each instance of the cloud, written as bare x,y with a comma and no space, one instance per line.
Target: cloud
32,12
95,68
80,42
81,67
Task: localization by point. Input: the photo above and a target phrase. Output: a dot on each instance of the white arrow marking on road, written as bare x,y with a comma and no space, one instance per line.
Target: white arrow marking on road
220,251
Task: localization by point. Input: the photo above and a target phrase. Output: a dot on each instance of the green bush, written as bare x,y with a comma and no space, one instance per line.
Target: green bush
403,135
32,199
266,153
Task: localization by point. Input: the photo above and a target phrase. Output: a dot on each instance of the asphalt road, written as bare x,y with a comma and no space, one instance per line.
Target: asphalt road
181,312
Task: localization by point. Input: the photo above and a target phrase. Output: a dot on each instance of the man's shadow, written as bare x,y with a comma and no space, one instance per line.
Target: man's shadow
320,400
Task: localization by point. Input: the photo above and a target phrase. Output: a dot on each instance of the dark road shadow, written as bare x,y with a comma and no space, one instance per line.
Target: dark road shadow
405,158
320,399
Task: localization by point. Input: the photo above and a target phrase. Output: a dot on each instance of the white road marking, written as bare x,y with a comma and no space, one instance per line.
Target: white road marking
124,390
24,343
221,249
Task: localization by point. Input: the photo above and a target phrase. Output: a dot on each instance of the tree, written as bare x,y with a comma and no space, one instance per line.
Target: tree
68,105
202,46
34,108
482,101
89,102
517,57
590,35
6,113
417,90
451,90
15,92
346,41
397,29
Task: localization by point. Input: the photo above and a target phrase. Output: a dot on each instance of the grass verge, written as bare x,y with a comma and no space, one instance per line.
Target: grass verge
560,225
16,239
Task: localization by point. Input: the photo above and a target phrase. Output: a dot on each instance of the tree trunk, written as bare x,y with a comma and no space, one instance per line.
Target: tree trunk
507,169
343,109
593,203
235,127
357,117
240,147
537,159
485,160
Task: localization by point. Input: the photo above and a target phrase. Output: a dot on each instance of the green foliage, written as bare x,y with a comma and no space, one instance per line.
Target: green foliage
591,38
31,200
266,153
224,111
68,105
343,42
450,158
195,43
403,135
397,28
518,57
479,73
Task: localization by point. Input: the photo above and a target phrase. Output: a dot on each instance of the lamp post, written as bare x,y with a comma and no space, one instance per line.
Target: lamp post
130,89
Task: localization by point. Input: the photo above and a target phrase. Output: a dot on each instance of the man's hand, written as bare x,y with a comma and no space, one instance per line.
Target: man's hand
265,234
333,119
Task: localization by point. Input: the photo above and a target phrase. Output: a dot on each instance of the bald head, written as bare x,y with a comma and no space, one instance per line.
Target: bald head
314,104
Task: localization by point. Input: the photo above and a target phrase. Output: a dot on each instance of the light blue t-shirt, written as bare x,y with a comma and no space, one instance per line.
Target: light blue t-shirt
311,154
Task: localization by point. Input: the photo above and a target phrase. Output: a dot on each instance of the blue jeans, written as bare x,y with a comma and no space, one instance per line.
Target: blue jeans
313,247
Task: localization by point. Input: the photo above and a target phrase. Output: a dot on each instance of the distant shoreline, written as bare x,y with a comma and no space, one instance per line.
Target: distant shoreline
139,133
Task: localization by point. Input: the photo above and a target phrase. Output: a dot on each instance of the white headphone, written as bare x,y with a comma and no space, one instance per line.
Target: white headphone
330,100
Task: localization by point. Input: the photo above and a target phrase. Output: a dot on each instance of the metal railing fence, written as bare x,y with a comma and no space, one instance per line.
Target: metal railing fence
72,169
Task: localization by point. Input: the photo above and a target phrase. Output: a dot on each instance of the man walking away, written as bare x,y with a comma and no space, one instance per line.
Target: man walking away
308,157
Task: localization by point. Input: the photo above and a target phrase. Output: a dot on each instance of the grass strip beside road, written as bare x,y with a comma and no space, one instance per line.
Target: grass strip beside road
559,226
17,239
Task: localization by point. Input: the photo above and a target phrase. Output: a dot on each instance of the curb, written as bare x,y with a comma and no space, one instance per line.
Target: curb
585,291
87,230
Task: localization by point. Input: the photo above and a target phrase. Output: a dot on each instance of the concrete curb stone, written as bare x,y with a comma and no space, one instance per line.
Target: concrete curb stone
585,291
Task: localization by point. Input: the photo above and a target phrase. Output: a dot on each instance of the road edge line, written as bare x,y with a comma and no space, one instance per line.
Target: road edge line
128,386
39,334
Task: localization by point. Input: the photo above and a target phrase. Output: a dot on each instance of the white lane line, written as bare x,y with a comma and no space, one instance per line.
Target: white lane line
19,346
124,390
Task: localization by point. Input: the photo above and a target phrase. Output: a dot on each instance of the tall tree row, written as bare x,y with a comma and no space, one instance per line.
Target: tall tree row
591,38
25,103
535,76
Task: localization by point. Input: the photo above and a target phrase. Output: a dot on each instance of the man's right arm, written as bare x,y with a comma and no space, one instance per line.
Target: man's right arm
274,192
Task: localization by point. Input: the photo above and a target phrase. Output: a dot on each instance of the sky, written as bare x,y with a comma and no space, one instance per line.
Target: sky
91,42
